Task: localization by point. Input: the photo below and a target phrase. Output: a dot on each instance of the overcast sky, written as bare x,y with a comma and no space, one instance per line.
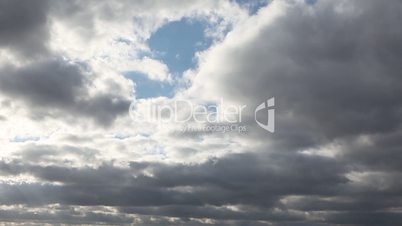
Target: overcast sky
71,153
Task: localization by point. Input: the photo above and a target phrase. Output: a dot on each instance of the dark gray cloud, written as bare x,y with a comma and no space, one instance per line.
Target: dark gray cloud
52,87
24,26
334,73
257,186
58,88
60,216
51,82
253,184
245,184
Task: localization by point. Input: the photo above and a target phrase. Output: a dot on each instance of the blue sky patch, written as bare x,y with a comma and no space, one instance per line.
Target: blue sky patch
21,139
177,42
252,6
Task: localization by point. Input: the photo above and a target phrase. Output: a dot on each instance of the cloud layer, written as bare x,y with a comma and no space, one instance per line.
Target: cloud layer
72,155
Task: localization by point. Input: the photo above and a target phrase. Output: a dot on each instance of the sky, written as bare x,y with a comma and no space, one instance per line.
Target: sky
201,112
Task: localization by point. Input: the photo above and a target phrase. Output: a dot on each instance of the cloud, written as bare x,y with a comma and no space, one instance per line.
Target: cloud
24,27
331,69
205,188
60,87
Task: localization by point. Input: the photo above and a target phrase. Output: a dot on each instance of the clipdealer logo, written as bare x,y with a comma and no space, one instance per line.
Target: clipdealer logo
267,106
219,117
